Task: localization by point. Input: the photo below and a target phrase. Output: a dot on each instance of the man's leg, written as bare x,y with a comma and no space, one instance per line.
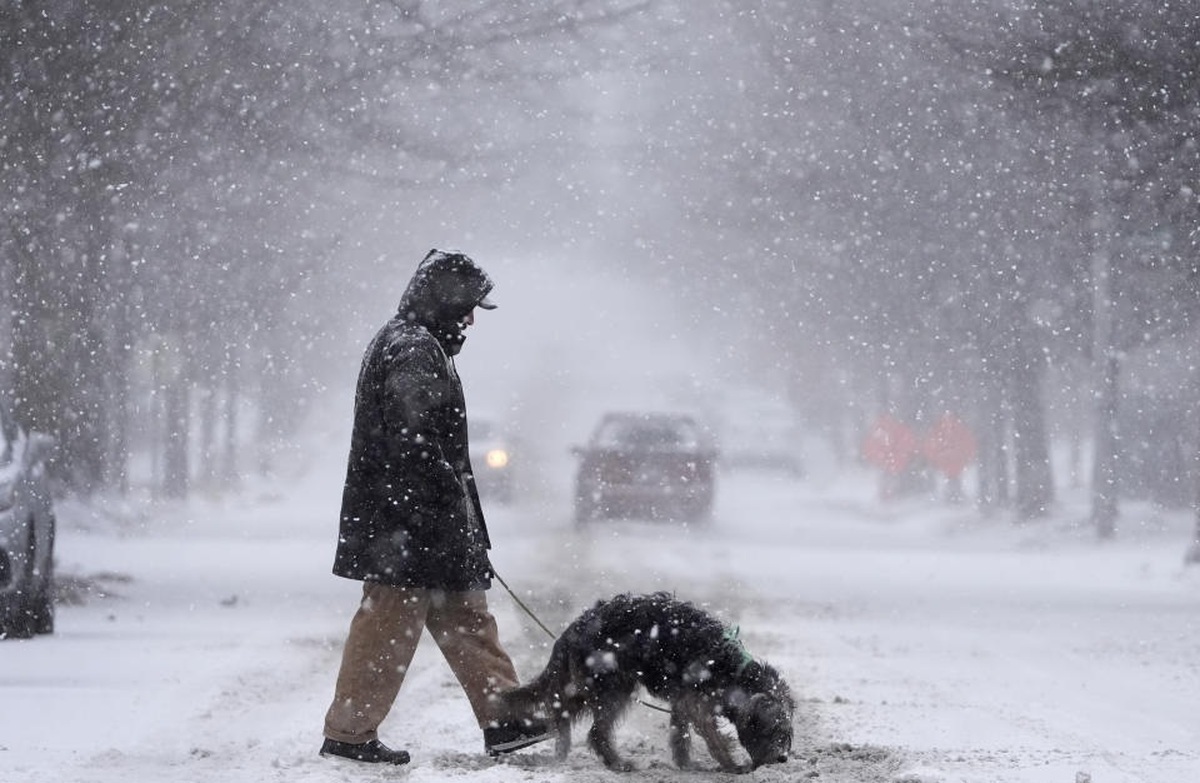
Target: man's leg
379,648
465,630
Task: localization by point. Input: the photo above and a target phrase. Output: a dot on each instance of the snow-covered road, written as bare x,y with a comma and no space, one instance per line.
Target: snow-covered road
923,643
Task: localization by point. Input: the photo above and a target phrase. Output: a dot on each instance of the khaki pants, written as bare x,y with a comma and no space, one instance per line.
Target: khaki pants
380,646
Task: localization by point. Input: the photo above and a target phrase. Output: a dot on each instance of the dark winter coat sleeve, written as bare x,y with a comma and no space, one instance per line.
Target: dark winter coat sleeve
421,409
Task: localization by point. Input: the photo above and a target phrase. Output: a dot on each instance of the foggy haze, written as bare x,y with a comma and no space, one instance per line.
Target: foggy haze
862,210
945,254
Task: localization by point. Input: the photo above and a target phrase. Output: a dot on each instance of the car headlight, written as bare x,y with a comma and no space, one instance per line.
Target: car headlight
496,459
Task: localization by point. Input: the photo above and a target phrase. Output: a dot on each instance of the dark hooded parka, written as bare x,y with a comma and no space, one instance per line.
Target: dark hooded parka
410,511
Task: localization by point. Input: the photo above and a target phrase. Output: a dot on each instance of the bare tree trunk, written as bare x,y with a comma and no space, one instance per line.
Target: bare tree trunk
1105,507
1075,418
8,310
1034,476
1193,551
233,391
207,469
121,338
991,427
1105,504
175,444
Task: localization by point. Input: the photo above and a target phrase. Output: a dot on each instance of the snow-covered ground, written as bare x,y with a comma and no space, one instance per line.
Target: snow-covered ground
924,643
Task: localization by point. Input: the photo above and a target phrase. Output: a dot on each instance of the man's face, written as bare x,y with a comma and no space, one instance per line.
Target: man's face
455,335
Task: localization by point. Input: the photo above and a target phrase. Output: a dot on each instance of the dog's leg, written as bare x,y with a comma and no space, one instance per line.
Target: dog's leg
564,716
681,732
719,745
606,711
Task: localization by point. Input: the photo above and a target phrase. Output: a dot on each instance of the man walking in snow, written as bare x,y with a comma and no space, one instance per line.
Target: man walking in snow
412,528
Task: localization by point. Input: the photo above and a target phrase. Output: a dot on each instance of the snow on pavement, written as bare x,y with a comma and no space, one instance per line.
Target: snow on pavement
923,643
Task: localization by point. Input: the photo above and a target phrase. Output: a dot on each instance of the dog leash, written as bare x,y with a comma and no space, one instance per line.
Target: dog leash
521,604
551,634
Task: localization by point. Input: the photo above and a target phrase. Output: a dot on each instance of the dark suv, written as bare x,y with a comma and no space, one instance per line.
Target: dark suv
649,465
26,532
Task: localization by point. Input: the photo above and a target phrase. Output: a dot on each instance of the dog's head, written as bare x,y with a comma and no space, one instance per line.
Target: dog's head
761,709
764,727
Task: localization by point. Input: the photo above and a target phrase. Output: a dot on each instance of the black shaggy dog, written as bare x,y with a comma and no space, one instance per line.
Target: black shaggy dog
680,654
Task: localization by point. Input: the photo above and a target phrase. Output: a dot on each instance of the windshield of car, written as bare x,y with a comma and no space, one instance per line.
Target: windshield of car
656,434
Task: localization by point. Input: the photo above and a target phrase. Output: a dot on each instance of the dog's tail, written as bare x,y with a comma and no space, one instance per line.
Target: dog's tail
543,695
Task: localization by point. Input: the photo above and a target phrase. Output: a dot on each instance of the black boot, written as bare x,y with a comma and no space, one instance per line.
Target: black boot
371,752
513,735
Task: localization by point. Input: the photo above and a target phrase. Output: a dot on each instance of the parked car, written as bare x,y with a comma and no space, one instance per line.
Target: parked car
760,432
494,460
26,532
652,465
